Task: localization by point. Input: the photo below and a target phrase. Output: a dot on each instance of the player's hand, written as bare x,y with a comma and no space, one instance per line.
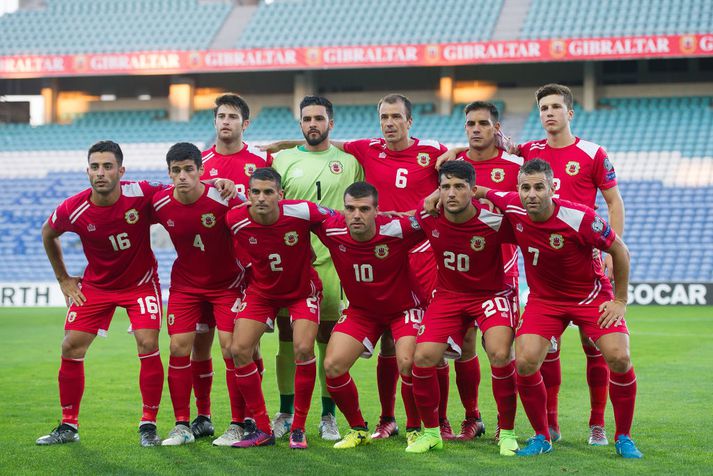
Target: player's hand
432,204
612,313
489,204
450,154
395,214
271,148
72,291
226,188
506,143
608,263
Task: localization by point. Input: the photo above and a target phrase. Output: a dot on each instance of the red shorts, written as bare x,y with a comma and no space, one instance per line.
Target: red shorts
259,308
142,304
424,271
200,310
367,328
549,319
450,315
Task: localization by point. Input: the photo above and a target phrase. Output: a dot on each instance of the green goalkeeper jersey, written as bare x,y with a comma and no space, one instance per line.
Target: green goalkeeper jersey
320,177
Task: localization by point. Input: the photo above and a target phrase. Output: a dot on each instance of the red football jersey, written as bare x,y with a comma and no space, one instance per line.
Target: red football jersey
579,169
116,239
559,260
469,255
236,167
499,173
202,241
402,177
279,254
375,274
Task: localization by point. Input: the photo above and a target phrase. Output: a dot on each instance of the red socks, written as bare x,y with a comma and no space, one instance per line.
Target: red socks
551,371
202,384
344,393
387,377
622,391
71,388
426,392
237,403
413,420
179,385
305,376
250,386
468,381
505,393
598,381
533,394
151,384
443,373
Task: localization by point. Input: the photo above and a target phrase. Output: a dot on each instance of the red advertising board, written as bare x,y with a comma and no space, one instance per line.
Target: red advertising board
339,57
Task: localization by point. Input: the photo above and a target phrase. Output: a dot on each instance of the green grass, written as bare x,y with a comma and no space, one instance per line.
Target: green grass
672,352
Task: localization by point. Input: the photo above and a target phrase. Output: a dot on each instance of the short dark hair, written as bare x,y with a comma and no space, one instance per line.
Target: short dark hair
459,169
393,99
476,105
235,101
557,89
538,166
184,151
317,101
107,146
267,174
362,190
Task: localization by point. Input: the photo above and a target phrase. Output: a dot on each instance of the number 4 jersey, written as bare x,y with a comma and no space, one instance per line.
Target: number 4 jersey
116,238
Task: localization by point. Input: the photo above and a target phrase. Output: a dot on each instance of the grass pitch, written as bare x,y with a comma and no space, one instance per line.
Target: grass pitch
672,351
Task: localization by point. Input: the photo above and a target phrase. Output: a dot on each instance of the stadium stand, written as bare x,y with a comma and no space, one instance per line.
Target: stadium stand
76,26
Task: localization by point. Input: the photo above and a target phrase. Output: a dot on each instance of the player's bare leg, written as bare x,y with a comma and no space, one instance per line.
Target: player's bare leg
150,383
551,371
530,352
622,391
387,378
427,395
202,375
246,338
598,382
285,373
498,342
180,382
71,387
342,351
468,380
328,428
235,430
304,333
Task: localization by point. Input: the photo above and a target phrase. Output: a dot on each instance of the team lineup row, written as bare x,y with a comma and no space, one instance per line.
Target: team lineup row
429,281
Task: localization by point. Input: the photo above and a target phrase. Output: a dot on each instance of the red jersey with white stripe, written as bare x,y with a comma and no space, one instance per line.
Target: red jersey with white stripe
469,255
402,177
559,261
579,169
499,173
375,274
237,167
116,238
203,243
279,254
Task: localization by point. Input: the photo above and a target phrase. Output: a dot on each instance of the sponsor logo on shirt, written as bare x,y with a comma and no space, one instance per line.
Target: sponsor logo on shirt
171,319
131,216
170,223
572,168
435,233
213,172
497,175
423,159
556,241
208,220
250,169
382,155
91,227
252,240
291,238
518,227
381,251
477,243
336,167
342,248
421,329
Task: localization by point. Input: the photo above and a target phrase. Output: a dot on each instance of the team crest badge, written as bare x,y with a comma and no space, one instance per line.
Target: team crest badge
556,241
421,329
132,216
497,175
291,238
381,251
71,316
477,243
572,167
250,169
171,319
336,167
208,220
342,318
423,159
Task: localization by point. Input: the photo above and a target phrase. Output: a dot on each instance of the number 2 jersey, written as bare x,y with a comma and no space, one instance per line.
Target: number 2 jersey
116,238
202,240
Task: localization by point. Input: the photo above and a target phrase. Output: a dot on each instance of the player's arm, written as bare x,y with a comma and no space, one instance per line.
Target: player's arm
279,145
615,207
226,187
68,284
450,154
613,311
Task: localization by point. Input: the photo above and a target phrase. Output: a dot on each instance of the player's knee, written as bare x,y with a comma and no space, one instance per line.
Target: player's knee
424,359
179,349
73,349
147,342
333,367
526,366
499,357
405,362
241,353
304,351
619,361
